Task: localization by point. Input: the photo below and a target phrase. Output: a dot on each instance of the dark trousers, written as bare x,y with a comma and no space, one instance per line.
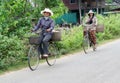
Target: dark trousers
44,43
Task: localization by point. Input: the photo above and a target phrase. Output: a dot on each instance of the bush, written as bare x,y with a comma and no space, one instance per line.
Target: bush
112,26
71,39
11,51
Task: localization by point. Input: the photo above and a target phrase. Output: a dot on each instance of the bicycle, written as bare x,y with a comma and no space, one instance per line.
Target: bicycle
87,42
34,55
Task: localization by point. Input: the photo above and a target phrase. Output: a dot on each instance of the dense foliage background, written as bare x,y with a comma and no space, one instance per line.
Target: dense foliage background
15,24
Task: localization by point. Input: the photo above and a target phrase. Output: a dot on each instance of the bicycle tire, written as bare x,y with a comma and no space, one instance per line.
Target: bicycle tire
86,45
92,44
33,58
51,59
93,47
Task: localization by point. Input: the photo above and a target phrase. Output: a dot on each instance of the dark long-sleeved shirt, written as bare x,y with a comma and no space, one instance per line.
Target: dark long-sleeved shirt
45,24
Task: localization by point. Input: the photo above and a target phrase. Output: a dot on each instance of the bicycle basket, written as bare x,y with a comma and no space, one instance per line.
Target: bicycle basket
100,28
56,36
34,40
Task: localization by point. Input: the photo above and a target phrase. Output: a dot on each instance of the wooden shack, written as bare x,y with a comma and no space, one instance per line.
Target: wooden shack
81,7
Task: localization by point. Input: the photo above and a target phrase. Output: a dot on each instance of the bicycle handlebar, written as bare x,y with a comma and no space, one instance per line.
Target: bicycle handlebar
87,26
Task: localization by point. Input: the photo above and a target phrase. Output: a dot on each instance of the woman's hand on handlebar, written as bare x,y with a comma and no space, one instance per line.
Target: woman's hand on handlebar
48,30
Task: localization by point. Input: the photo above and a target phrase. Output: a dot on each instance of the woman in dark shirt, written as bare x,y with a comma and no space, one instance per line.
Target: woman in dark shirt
46,24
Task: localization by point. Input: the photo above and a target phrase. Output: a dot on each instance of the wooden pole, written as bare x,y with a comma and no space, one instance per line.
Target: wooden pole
79,5
97,6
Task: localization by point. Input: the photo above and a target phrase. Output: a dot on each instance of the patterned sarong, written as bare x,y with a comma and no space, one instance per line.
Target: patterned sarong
92,35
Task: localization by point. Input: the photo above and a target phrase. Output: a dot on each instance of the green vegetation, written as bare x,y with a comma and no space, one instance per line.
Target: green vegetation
71,40
112,26
109,1
15,24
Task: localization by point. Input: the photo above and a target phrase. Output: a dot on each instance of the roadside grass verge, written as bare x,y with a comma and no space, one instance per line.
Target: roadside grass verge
24,64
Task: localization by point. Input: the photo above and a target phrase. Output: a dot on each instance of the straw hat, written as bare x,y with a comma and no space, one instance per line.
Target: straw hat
47,10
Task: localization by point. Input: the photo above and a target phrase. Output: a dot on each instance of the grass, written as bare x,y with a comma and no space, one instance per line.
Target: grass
14,67
19,66
25,64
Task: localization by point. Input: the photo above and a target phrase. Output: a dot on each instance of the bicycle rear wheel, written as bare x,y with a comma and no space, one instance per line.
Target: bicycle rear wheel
86,45
33,58
51,59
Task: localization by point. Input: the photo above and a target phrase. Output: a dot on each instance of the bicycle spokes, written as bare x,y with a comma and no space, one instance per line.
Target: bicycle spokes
33,58
51,59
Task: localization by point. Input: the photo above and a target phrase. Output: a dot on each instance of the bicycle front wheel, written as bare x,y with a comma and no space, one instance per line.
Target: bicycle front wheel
86,45
51,59
33,58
